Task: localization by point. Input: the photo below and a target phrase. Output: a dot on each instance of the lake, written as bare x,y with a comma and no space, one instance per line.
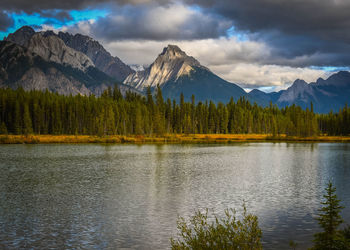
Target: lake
129,196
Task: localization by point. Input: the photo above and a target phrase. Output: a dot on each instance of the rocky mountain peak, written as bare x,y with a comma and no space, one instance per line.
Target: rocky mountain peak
52,48
173,51
102,59
298,85
99,57
171,64
21,36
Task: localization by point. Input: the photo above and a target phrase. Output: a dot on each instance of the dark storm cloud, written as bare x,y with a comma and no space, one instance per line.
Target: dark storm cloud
5,21
292,28
159,23
57,15
31,6
318,17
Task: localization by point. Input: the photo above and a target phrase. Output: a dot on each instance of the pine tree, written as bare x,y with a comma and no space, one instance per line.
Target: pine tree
27,121
16,120
329,219
3,129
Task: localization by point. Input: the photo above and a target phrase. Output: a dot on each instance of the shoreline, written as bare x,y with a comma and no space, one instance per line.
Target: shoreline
165,139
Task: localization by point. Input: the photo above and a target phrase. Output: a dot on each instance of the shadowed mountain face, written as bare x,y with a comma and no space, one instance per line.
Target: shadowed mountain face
176,73
326,95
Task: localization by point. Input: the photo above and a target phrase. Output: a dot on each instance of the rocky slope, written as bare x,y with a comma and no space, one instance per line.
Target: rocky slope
21,67
171,64
21,36
53,49
102,59
176,73
87,46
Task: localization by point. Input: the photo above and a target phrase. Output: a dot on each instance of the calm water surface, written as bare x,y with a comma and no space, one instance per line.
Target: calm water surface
129,196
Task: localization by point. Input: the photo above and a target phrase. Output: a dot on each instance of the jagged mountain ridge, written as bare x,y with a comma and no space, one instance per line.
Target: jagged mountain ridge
100,58
175,72
50,48
53,49
21,67
51,64
325,94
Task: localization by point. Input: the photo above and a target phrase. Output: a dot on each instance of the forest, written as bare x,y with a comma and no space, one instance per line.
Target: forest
38,112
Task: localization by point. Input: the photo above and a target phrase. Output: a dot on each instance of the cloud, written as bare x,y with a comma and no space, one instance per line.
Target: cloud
154,22
293,28
36,6
317,17
5,21
61,16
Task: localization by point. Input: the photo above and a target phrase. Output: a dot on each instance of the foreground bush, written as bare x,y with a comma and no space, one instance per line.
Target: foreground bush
226,233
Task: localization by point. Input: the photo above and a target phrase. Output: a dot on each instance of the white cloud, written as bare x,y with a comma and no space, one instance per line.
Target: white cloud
152,22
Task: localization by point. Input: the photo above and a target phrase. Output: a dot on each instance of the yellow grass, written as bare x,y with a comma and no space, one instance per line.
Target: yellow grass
170,138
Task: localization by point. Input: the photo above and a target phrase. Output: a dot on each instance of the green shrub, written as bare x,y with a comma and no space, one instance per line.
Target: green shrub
226,233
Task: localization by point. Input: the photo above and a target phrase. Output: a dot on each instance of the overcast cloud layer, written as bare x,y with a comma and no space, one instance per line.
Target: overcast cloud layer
256,42
5,21
159,23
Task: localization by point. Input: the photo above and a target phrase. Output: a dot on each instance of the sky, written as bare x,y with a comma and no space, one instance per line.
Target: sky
265,44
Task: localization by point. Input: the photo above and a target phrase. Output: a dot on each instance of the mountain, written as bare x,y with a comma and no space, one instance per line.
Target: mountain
19,67
176,73
102,59
42,60
53,49
326,95
137,67
99,57
21,36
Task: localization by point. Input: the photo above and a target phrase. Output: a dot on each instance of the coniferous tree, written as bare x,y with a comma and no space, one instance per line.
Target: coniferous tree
27,121
112,113
3,129
329,219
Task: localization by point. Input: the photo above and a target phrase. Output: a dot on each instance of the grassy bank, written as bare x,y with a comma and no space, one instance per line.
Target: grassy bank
172,138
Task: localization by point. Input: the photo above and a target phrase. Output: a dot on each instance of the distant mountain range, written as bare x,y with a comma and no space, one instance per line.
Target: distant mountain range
77,64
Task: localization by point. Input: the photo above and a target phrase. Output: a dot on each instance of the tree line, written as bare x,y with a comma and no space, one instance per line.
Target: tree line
38,112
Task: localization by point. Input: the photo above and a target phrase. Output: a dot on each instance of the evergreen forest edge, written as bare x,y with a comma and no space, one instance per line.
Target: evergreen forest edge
38,112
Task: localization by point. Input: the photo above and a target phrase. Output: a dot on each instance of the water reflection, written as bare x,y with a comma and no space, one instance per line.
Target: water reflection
129,196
